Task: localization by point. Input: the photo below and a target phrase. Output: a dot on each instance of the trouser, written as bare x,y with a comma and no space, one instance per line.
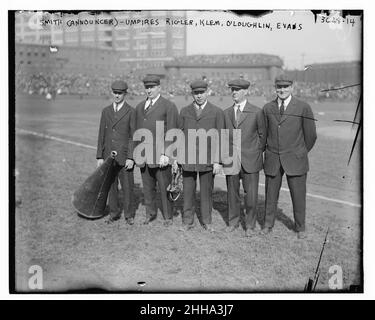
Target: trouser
250,183
161,176
126,178
206,179
297,187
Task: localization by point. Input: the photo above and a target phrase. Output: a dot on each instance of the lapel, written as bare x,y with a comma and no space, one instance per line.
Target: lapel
245,113
111,113
290,110
192,111
123,111
231,116
141,105
153,107
205,111
275,110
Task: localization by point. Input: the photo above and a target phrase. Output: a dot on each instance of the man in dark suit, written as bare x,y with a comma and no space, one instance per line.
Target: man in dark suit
205,163
117,124
291,134
247,159
153,113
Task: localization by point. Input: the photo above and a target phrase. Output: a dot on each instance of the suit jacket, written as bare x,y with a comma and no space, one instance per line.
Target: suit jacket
211,117
163,110
289,138
253,140
116,133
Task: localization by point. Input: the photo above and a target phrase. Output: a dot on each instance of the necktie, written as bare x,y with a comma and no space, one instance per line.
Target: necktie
282,108
237,113
116,107
148,106
199,110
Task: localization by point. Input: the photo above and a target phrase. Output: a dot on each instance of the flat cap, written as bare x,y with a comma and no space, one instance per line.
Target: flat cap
119,85
239,83
151,80
198,85
283,80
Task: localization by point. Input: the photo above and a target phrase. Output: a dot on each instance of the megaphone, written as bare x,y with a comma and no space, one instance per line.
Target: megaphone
90,199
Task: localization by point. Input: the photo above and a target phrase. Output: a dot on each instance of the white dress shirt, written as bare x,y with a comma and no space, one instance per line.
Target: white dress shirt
200,107
286,102
119,106
240,106
152,101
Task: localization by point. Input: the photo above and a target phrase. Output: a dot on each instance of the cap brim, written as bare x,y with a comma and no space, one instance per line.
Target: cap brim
283,82
236,87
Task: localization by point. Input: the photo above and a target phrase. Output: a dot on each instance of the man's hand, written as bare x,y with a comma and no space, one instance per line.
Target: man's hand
129,163
217,168
164,161
99,162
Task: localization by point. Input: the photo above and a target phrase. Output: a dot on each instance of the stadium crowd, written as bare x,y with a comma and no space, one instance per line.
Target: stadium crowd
224,59
54,83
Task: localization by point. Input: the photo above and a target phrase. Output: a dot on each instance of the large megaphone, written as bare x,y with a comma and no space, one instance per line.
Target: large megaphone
90,199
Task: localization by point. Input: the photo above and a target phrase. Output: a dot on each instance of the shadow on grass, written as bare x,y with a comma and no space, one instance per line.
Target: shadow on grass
219,198
137,197
220,204
177,206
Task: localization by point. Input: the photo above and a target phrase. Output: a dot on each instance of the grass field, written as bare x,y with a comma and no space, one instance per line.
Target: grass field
76,254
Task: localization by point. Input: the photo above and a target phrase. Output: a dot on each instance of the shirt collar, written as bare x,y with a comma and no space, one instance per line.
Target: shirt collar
119,106
286,101
202,106
156,99
241,105
153,101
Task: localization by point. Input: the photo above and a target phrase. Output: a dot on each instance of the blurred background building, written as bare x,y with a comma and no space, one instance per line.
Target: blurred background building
253,67
339,72
137,45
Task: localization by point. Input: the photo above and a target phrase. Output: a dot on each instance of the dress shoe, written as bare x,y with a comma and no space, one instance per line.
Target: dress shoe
148,220
111,220
209,227
301,235
168,222
266,230
250,233
129,221
231,229
185,227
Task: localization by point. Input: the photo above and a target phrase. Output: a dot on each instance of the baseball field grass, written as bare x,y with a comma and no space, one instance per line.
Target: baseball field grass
79,254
